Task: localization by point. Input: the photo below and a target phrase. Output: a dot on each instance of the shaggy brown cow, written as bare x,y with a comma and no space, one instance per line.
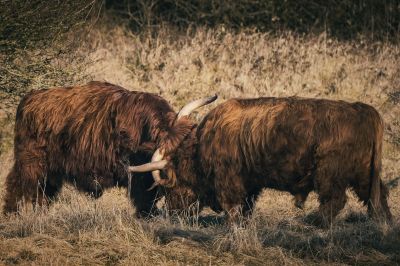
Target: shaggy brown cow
89,135
290,144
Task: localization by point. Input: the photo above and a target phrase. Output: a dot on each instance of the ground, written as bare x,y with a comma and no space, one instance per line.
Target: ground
77,229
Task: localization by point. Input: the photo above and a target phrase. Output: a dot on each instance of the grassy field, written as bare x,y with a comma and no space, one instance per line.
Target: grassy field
180,67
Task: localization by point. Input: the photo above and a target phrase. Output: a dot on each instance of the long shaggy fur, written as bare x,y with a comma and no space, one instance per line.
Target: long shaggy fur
290,144
87,135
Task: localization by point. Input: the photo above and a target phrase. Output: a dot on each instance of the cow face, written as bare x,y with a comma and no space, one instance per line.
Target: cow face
175,153
179,193
180,169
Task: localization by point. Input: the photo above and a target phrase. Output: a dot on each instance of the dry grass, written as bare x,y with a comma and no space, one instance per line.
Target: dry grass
79,230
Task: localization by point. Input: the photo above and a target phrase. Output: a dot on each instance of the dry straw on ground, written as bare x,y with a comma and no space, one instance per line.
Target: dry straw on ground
79,230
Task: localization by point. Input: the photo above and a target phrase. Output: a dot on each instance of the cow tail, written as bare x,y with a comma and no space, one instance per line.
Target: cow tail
376,166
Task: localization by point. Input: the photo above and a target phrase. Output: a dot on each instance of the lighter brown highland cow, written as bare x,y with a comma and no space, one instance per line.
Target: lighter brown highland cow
89,135
290,144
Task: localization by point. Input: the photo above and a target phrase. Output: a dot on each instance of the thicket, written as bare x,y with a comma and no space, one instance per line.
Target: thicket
33,33
34,36
375,19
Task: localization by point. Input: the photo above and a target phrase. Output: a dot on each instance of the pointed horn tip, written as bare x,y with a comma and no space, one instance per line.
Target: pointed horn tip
152,186
161,182
212,98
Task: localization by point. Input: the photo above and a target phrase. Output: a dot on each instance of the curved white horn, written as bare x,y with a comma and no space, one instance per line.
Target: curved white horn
159,154
190,107
157,157
147,167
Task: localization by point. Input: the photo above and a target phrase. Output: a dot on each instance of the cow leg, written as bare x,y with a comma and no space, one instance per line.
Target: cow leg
331,191
50,190
24,183
53,186
330,205
380,212
92,184
14,193
250,201
248,206
233,198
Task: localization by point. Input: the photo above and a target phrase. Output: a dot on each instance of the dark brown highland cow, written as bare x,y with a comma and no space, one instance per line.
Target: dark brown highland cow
290,144
89,135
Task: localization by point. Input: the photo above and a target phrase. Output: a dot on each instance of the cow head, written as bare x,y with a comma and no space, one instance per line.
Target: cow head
165,161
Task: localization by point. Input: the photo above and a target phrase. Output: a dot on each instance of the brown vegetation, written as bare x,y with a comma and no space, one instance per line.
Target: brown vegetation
79,230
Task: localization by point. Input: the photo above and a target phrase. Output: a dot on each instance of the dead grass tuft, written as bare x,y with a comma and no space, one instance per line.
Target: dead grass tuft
77,229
